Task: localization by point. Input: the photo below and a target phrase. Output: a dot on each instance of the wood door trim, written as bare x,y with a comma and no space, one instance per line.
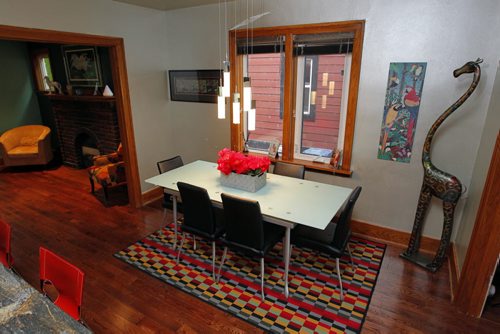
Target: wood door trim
484,245
120,81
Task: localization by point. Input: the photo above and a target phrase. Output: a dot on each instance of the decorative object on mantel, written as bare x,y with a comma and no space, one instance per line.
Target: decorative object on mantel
440,184
69,89
54,86
402,103
107,91
241,171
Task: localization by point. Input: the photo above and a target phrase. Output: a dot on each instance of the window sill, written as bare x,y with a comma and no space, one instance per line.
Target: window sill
313,166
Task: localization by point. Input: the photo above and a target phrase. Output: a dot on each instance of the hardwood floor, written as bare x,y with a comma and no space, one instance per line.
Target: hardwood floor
54,208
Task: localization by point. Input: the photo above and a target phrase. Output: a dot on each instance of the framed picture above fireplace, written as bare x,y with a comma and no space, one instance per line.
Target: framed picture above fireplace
82,65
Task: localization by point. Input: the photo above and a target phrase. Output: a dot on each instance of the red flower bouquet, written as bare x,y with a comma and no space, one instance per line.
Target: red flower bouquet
236,162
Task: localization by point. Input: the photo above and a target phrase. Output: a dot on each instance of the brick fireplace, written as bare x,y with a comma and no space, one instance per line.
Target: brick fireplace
85,123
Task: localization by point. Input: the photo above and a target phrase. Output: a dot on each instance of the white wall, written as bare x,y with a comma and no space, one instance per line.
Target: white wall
143,31
445,34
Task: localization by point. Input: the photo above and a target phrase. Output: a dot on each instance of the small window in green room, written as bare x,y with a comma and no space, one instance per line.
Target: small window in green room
42,69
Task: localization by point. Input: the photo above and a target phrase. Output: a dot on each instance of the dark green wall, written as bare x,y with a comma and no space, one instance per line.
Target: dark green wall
18,101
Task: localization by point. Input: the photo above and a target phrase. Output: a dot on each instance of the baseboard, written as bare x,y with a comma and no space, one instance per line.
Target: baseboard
454,272
152,195
390,235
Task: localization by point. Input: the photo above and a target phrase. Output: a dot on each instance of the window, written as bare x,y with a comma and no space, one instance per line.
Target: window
304,83
42,68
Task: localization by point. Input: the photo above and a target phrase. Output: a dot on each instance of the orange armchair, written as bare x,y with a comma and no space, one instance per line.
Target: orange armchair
26,145
108,171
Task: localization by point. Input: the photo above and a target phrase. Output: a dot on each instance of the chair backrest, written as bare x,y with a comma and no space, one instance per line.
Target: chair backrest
67,279
169,164
5,242
197,207
343,229
244,224
286,169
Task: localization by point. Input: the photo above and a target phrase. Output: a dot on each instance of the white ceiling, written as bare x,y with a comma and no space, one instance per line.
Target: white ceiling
170,4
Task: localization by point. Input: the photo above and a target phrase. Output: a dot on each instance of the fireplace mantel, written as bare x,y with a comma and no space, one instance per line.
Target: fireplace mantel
82,98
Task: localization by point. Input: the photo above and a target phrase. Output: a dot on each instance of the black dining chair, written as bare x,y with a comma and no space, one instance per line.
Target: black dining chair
165,166
287,169
334,241
201,218
246,232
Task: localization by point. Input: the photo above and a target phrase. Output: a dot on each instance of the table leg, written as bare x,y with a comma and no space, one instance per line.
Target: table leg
286,253
174,208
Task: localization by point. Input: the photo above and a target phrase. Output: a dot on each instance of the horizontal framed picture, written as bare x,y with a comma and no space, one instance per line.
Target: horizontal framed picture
82,65
194,85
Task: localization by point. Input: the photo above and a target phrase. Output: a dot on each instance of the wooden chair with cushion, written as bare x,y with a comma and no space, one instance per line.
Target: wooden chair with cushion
201,218
287,169
65,278
334,240
108,171
246,232
26,145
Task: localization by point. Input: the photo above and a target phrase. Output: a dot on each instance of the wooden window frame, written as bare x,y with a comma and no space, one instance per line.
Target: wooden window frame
356,27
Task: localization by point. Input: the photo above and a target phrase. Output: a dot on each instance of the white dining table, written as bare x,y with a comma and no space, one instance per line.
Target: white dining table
284,201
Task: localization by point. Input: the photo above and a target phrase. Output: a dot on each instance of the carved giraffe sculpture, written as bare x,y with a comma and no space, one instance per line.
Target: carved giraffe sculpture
440,184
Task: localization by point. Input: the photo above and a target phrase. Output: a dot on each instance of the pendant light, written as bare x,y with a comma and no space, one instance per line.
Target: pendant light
236,108
221,105
252,117
247,94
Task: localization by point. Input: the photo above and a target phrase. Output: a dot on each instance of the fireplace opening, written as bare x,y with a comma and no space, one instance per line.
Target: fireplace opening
86,148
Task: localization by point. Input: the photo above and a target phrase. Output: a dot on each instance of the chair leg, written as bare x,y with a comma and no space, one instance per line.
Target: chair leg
180,247
337,260
92,186
350,256
262,270
222,263
105,190
213,259
194,242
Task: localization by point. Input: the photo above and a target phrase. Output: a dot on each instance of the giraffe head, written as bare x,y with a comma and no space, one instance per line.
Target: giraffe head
468,67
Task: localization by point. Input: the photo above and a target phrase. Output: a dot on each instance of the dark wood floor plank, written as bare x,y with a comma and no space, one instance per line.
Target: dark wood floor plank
54,208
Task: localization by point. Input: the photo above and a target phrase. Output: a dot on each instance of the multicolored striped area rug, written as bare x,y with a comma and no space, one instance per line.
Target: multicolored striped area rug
314,304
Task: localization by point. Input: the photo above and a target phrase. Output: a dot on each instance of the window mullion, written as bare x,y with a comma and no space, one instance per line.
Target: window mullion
288,119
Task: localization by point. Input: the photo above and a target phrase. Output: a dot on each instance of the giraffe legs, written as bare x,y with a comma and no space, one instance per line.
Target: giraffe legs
449,211
423,203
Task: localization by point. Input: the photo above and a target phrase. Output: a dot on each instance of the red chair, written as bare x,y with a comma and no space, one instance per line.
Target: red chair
5,255
67,280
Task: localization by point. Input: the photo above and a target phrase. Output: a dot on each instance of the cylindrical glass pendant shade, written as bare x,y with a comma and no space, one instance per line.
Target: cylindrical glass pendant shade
252,114
236,108
227,84
221,105
247,94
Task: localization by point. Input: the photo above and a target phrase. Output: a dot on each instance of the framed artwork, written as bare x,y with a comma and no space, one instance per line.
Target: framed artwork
402,103
82,66
194,85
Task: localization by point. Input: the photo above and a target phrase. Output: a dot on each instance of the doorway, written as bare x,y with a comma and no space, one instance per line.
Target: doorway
120,82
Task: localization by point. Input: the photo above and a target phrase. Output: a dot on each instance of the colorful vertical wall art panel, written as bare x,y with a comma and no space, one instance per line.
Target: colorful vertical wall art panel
402,102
